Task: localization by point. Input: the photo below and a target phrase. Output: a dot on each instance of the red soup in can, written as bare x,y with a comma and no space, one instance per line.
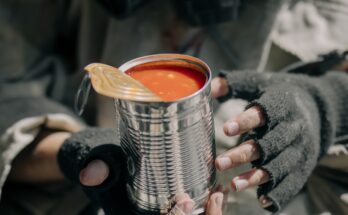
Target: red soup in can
169,82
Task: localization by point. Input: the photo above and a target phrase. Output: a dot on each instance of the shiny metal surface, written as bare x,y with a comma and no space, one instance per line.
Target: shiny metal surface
170,145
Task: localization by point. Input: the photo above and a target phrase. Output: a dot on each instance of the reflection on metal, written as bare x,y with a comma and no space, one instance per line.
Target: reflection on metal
82,95
170,145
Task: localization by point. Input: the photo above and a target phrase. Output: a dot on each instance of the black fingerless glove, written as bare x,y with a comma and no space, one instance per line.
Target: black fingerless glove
97,143
304,115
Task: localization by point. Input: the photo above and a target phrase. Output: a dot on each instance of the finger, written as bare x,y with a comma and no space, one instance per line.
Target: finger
276,140
94,173
184,205
249,119
290,171
253,177
281,102
343,66
214,206
265,201
248,85
285,163
274,199
244,153
219,87
279,167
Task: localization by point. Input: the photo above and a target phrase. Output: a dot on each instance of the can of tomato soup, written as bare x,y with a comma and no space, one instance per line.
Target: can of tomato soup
170,144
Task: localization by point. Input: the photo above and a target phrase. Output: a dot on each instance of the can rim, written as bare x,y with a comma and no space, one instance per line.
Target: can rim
166,57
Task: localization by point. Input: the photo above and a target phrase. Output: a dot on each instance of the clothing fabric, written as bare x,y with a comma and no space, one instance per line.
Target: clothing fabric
302,121
47,43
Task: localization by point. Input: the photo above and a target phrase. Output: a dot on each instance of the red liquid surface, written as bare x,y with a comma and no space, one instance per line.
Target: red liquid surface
170,83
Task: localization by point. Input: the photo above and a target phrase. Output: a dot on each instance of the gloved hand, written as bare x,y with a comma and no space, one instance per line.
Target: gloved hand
96,148
91,159
294,119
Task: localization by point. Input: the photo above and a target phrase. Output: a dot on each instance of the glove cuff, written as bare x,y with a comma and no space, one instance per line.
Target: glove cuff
87,145
339,96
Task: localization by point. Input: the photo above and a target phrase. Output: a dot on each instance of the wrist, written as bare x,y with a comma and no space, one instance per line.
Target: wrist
38,162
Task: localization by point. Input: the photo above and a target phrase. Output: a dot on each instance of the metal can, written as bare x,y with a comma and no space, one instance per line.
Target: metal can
170,145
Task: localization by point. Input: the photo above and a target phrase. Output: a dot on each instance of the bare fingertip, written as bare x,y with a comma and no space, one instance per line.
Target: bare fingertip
181,196
240,184
94,173
218,198
82,177
265,201
186,206
223,163
233,186
231,128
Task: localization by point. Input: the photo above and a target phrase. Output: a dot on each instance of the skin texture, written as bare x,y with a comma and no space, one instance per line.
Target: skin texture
40,157
246,152
343,66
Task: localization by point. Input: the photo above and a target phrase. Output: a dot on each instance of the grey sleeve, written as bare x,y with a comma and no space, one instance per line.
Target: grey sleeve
15,109
33,75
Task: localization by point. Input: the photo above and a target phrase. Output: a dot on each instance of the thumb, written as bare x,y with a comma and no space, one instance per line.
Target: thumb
184,205
247,85
214,206
94,173
219,87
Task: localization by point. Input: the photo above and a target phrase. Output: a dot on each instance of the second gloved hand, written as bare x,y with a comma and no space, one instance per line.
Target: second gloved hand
294,119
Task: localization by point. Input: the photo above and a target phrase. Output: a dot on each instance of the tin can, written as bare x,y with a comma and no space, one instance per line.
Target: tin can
170,145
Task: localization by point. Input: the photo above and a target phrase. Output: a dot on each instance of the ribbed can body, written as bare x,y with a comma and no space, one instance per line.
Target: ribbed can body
170,146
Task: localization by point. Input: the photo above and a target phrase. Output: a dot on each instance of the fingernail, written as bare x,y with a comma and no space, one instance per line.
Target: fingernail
223,163
186,207
219,197
240,184
232,128
94,173
181,196
265,201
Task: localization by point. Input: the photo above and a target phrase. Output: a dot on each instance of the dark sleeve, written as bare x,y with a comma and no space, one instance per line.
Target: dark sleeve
121,9
32,77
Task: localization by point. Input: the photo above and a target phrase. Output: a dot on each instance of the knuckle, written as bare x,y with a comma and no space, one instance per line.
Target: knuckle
244,121
244,156
260,176
255,150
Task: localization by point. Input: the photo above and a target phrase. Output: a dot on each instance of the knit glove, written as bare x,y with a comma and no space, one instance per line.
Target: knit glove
91,144
303,116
